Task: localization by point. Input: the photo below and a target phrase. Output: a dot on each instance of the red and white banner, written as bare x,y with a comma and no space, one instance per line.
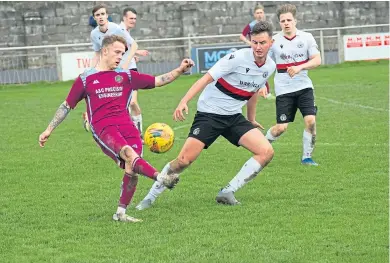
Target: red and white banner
367,46
73,64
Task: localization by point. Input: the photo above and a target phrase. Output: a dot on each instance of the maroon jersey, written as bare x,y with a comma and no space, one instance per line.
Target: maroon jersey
248,29
108,95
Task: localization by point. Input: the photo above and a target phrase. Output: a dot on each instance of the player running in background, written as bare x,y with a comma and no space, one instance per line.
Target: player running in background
259,15
106,28
295,52
230,84
107,90
128,22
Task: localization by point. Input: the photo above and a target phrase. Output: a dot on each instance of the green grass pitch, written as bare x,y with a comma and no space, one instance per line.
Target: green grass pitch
56,203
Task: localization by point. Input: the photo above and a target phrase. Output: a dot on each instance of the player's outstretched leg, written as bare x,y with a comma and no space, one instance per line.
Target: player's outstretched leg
128,187
139,166
309,140
256,143
136,165
155,191
276,131
190,151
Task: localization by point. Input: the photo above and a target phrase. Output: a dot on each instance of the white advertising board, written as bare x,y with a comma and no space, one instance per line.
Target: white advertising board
366,46
73,64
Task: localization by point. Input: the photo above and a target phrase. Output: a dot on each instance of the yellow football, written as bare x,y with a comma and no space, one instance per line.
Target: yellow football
159,138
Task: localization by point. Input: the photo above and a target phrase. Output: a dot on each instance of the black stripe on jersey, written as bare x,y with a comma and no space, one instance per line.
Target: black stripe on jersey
231,94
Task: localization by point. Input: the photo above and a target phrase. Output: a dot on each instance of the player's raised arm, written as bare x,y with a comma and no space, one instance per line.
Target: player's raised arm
198,86
166,78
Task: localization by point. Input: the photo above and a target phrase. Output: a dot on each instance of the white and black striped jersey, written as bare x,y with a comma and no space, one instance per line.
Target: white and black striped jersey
236,79
287,52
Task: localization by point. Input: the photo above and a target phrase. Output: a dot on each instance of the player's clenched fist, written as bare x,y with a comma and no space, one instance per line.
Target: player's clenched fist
186,64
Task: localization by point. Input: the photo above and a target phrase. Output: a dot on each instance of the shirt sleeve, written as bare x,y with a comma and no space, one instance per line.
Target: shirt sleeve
246,30
224,66
271,53
312,48
76,93
142,81
123,33
95,44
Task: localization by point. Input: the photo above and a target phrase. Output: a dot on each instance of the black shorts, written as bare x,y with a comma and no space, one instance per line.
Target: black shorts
287,105
207,127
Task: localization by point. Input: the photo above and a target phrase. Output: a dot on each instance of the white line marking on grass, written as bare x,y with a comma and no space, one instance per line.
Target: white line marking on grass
352,104
181,127
330,144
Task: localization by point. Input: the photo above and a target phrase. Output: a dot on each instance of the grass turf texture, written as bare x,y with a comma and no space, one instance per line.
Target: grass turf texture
57,202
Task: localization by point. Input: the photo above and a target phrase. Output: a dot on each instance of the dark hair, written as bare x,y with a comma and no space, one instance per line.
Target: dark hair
97,7
286,8
261,27
108,40
129,9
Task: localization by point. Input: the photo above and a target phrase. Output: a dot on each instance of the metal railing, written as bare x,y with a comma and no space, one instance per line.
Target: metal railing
43,63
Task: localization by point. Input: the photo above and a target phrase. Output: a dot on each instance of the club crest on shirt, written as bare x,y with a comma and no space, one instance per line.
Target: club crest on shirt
265,74
300,45
118,78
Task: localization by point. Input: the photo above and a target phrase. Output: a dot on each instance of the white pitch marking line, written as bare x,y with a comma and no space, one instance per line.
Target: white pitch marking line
181,127
334,144
352,104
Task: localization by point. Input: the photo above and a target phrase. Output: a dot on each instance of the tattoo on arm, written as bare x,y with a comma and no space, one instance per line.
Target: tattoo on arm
165,79
60,115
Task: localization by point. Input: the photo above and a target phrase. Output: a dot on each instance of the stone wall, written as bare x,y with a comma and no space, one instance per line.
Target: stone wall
43,23
40,23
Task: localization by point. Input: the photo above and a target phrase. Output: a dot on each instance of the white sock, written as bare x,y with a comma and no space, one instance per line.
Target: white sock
249,171
121,210
157,188
138,122
308,144
270,137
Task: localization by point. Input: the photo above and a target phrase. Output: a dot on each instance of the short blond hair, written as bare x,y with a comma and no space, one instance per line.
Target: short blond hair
258,7
108,40
286,8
